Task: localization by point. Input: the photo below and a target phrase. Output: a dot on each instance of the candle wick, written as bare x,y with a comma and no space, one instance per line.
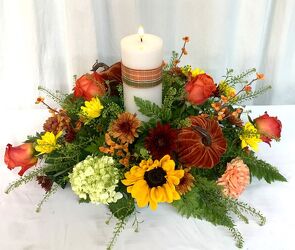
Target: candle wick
141,39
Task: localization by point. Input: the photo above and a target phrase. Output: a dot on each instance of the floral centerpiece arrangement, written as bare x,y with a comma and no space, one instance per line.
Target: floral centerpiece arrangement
193,152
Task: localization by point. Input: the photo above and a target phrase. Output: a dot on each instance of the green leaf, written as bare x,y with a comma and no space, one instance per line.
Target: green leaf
262,170
148,108
93,148
123,207
87,200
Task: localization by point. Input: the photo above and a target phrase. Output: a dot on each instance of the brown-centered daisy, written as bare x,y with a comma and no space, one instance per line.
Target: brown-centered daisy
161,141
186,183
125,127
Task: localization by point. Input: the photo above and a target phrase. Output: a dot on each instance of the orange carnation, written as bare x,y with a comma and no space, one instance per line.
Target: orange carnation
235,178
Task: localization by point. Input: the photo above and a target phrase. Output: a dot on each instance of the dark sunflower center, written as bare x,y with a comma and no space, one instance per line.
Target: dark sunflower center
161,142
125,127
155,177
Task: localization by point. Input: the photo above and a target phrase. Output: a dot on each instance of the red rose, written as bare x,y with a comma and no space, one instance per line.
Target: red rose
200,88
20,156
268,127
89,85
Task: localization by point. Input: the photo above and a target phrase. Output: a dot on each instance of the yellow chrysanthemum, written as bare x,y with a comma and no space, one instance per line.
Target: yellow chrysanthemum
226,90
92,109
250,136
194,72
47,143
153,181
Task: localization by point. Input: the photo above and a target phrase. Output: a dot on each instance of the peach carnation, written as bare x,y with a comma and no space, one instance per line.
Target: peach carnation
235,178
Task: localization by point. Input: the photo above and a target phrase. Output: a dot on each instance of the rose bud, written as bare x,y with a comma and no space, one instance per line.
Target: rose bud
89,85
200,88
268,127
20,156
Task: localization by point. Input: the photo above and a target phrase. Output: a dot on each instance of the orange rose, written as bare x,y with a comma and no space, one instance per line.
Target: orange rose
89,85
20,156
200,88
269,127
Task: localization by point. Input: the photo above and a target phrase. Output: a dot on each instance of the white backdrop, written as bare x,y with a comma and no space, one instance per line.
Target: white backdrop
46,42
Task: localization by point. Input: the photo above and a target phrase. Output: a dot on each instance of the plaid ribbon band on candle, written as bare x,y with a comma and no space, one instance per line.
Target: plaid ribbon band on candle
142,78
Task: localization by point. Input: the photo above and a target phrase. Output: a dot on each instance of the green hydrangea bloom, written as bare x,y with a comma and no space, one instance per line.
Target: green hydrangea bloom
97,179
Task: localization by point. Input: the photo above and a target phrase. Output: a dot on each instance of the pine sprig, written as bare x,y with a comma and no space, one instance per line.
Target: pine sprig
246,97
262,170
237,236
25,179
241,78
55,96
46,196
167,104
239,207
148,108
120,225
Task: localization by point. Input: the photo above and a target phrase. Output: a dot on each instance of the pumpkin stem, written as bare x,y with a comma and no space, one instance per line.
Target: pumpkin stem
206,138
98,65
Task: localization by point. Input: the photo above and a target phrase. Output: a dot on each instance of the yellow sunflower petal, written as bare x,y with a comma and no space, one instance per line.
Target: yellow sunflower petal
153,205
168,193
139,189
153,194
176,195
129,189
173,179
179,173
143,201
164,160
160,194
156,194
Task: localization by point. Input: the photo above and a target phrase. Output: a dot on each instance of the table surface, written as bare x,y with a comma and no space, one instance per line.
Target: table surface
65,224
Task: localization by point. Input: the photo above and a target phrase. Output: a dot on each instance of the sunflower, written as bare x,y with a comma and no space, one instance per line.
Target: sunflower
153,181
125,127
186,183
161,141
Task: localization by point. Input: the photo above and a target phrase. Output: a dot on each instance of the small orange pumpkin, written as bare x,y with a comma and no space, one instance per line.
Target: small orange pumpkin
202,144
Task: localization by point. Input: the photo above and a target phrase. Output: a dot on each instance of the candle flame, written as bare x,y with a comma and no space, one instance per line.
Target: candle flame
140,32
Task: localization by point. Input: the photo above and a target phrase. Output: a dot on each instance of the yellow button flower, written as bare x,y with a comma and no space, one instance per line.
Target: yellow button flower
47,143
194,72
250,136
153,181
197,71
226,90
92,109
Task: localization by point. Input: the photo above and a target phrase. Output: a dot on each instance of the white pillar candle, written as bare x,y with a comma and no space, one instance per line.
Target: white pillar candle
142,54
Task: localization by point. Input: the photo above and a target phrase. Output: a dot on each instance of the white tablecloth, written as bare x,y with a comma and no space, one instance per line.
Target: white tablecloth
64,224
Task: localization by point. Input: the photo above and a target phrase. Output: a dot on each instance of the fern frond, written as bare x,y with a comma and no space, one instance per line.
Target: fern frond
262,170
148,108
